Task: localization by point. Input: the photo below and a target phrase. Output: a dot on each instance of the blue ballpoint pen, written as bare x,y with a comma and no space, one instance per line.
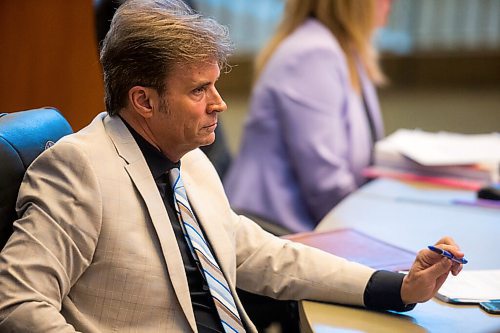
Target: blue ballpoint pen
447,254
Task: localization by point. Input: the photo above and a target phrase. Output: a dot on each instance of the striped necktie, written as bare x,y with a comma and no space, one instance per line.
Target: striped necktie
219,289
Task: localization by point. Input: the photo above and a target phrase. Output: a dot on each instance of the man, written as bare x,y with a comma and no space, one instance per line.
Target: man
110,240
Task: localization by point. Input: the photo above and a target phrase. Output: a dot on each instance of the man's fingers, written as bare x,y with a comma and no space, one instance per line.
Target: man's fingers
440,268
447,241
453,249
456,268
439,282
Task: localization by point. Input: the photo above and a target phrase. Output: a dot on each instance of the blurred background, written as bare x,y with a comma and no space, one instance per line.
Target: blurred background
442,58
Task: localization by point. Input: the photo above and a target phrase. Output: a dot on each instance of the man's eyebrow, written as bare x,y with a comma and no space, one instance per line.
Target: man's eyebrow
201,83
204,82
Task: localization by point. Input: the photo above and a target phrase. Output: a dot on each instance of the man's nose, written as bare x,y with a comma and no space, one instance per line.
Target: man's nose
217,104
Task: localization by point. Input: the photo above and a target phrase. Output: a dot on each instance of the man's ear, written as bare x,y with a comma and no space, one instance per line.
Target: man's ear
143,100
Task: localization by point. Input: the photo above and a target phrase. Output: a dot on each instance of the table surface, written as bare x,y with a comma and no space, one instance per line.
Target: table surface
412,216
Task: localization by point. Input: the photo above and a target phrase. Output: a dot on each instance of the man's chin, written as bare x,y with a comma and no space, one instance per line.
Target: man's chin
208,141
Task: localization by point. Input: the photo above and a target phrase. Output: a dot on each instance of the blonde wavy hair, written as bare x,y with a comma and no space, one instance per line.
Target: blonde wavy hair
352,22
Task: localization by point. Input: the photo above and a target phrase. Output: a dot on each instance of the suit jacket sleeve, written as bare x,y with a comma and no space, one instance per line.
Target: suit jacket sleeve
283,269
266,264
53,241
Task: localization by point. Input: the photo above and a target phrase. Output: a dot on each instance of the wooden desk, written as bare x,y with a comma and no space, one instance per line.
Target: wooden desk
412,217
433,316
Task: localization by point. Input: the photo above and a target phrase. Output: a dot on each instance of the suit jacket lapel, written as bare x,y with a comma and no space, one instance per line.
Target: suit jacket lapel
138,171
370,96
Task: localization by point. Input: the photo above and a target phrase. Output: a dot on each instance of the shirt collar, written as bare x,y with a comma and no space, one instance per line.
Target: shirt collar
158,163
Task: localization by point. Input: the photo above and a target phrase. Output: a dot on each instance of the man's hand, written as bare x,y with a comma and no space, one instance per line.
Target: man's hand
429,271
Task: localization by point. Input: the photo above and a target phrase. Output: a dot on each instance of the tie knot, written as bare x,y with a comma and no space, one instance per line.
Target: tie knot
174,176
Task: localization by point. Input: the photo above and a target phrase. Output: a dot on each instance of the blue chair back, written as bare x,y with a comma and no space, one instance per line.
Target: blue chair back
23,136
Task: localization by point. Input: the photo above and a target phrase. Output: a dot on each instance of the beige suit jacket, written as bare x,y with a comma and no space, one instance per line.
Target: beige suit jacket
94,250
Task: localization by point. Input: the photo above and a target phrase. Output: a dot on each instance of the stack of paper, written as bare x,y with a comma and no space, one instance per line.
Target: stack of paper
443,154
471,287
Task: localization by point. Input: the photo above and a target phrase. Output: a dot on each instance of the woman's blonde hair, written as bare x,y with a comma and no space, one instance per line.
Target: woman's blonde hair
351,21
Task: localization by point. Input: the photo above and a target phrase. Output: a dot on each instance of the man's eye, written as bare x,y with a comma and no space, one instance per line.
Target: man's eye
198,91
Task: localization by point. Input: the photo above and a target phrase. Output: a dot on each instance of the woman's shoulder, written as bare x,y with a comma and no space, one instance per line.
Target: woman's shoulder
312,35
311,41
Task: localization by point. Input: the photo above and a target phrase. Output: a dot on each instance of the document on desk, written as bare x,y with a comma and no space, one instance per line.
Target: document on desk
356,246
470,156
471,287
444,148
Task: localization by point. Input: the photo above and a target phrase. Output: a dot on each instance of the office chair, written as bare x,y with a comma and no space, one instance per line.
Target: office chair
23,136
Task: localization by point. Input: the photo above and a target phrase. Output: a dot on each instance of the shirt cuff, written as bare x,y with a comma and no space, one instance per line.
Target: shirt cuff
383,292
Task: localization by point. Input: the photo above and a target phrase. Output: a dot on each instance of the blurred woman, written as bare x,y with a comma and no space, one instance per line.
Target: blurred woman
314,113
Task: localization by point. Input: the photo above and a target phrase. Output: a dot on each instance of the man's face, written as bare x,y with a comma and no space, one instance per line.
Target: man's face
188,110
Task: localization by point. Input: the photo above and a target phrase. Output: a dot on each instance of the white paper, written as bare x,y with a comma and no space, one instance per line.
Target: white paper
444,148
471,287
